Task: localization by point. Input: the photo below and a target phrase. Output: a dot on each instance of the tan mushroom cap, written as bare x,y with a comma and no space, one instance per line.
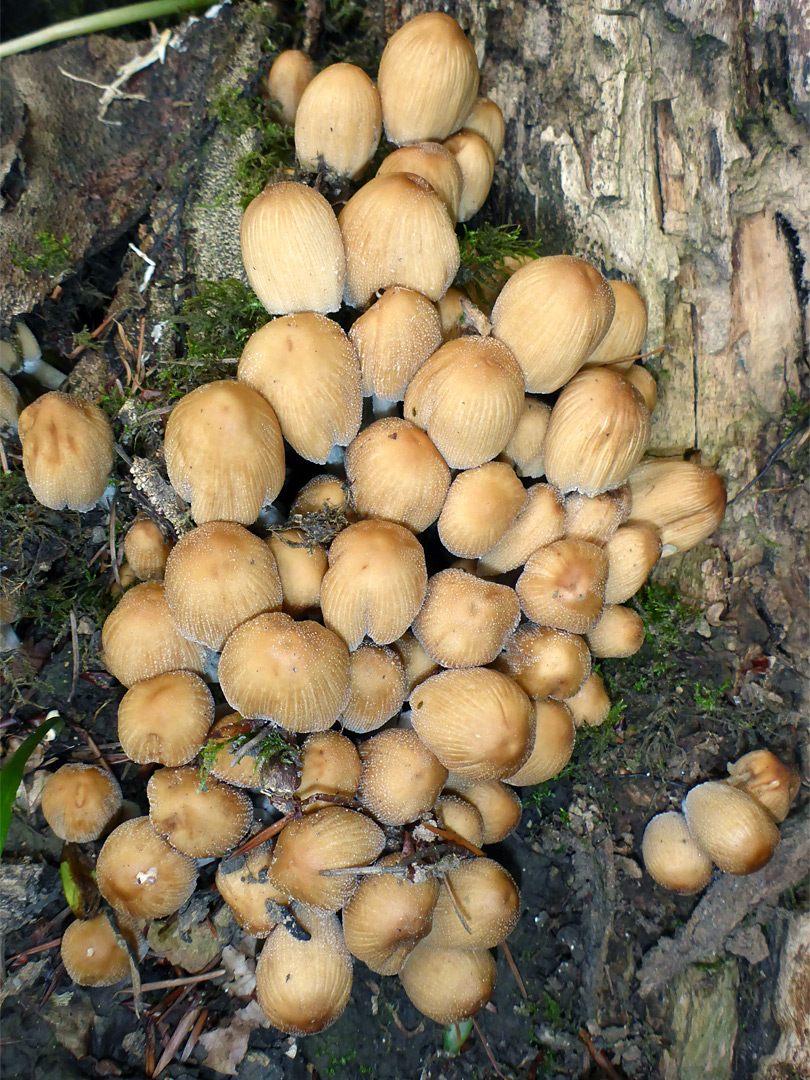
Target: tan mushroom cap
488,900
330,839
378,688
215,419
146,550
292,250
540,521
525,449
339,122
323,493
572,303
631,552
595,518
464,621
477,722
302,986
293,673
165,719
375,583
140,638
243,770
67,449
434,163
477,164
217,576
401,778
644,382
590,705
563,585
397,474
451,313
139,873
201,820
428,79
553,744
598,432
396,231
330,765
285,82
620,632
307,369
684,501
628,328
79,801
244,884
458,816
301,566
468,397
416,664
547,662
762,775
393,339
671,856
386,916
92,953
448,985
499,805
11,402
731,827
487,120
480,507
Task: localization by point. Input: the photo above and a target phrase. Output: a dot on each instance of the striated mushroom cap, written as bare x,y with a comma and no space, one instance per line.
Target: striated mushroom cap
671,856
684,501
339,122
146,550
487,120
224,452
165,719
396,231
546,662
139,873
563,585
631,552
79,802
434,163
217,576
468,397
428,79
732,828
487,898
401,778
285,82
375,583
499,806
292,250
393,339
293,673
525,449
481,505
448,985
140,638
476,162
301,566
244,885
199,820
553,744
92,952
67,451
540,521
628,328
378,688
305,366
330,765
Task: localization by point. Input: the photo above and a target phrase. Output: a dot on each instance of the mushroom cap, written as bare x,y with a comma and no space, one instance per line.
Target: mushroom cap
339,122
292,250
590,705
416,664
595,518
468,397
302,986
547,662
378,688
627,330
731,827
540,521
434,163
499,805
285,82
217,576
375,583
448,985
684,501
620,632
401,778
428,79
146,550
397,474
477,722
396,231
553,744
165,719
481,505
139,873
92,953
458,816
489,901
671,856
464,621
393,339
301,566
762,775
140,638
572,303
330,765
476,161
245,886
644,382
486,118
199,820
201,426
306,367
330,839
525,449
67,449
631,552
293,673
79,802
563,585
598,432
11,402
323,493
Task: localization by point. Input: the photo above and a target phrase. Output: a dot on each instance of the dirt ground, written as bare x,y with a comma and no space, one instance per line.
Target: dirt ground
615,976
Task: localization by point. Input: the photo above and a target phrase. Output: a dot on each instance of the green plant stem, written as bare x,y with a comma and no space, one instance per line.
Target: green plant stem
102,20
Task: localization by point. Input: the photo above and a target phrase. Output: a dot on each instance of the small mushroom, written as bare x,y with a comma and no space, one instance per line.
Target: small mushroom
139,873
80,801
338,123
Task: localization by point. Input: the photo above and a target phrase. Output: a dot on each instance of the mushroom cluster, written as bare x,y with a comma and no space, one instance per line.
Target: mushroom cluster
731,823
416,640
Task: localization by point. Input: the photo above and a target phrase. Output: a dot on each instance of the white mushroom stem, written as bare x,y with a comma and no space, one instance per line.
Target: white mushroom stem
33,364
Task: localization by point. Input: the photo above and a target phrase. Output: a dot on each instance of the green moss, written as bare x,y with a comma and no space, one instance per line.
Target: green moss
484,252
53,259
274,747
273,152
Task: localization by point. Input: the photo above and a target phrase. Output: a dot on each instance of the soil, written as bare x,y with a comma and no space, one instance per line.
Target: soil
621,977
